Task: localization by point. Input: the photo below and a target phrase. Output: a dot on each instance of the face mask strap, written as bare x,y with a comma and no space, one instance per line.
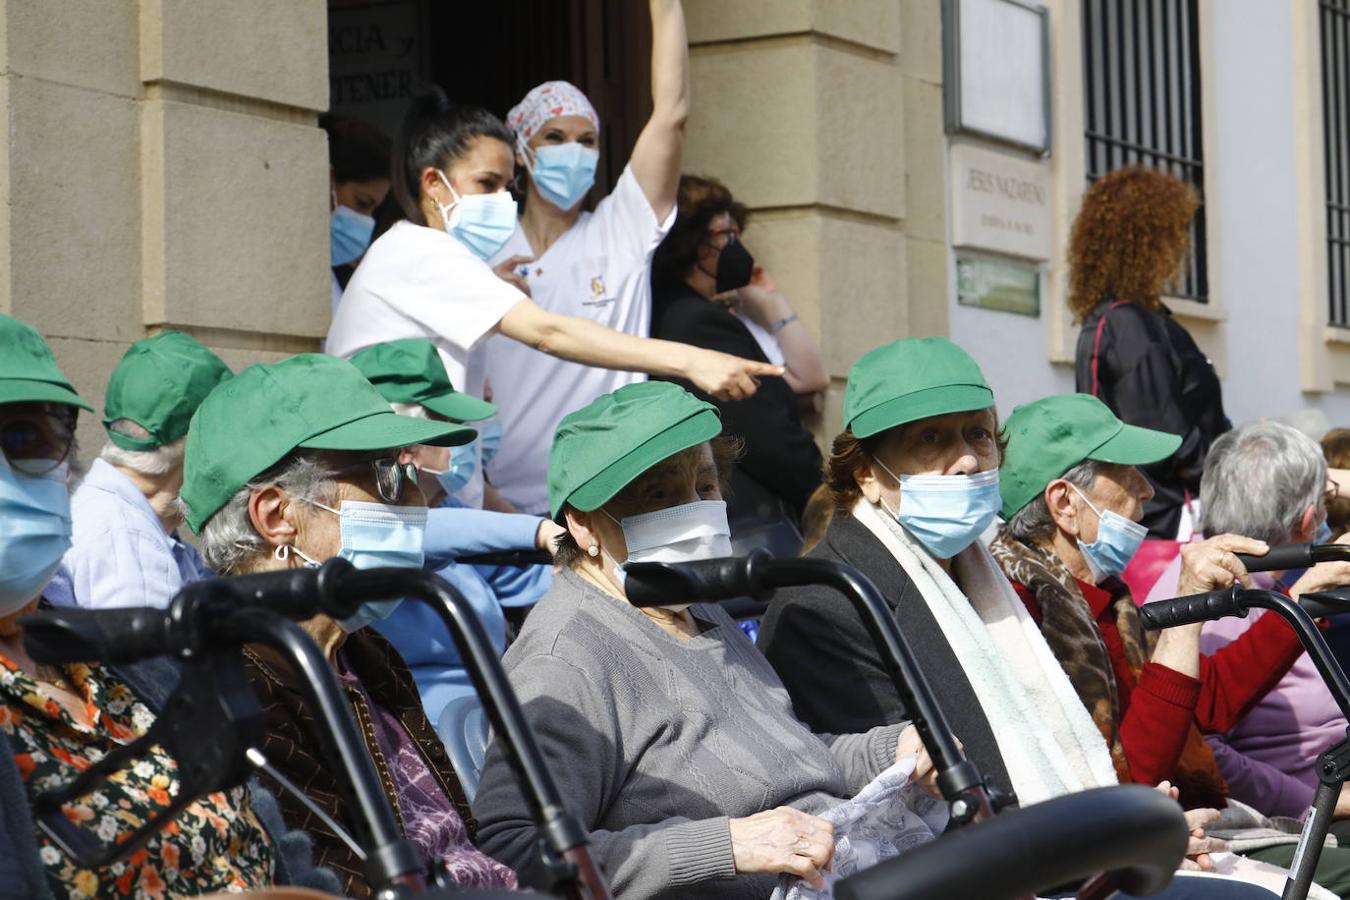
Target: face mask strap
1084,498
445,210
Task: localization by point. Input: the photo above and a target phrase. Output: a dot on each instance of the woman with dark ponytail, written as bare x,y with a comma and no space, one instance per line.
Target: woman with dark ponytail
427,276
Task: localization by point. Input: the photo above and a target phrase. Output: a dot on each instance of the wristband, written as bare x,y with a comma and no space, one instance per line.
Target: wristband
782,323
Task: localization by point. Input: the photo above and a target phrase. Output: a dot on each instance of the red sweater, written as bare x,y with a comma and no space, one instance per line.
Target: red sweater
1157,708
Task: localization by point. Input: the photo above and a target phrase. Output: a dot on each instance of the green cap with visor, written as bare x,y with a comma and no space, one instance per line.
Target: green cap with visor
411,371
255,419
159,384
912,379
599,449
1050,436
28,369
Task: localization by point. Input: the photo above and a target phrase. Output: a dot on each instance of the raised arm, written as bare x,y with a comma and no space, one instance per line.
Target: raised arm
659,150
583,341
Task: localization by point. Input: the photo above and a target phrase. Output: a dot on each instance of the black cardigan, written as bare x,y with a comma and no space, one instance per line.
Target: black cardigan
1151,374
781,458
826,658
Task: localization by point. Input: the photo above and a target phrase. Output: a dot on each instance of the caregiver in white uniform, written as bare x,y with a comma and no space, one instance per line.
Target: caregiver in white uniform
592,265
427,275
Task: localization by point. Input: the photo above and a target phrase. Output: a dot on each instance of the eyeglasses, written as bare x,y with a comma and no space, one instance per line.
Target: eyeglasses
1332,491
722,237
37,440
390,476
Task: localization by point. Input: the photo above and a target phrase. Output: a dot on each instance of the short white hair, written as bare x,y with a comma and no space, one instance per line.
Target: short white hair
1259,479
229,542
159,461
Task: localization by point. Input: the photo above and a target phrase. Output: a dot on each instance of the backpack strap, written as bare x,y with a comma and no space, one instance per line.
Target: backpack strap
1097,346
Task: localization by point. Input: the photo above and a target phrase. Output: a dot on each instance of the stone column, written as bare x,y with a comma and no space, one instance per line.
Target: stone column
163,170
825,117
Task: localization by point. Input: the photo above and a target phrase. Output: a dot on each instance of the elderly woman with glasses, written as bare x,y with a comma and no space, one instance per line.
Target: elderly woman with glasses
55,720
292,464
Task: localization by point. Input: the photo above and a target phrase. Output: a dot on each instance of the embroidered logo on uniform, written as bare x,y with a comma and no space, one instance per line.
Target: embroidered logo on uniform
597,287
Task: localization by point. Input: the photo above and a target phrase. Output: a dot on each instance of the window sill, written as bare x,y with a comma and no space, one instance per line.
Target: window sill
1189,309
1336,334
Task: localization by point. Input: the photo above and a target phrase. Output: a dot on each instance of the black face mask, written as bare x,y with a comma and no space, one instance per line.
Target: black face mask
734,267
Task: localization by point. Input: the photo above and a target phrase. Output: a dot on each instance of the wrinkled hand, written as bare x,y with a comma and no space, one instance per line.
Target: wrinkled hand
924,774
1198,847
506,271
546,538
1323,576
783,840
727,377
1210,565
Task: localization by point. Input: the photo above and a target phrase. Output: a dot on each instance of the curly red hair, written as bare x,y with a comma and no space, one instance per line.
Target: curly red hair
1129,238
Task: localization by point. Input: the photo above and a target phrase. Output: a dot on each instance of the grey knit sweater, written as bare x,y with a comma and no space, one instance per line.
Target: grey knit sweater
656,742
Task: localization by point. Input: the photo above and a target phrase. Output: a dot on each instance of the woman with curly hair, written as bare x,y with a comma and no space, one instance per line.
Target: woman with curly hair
1128,244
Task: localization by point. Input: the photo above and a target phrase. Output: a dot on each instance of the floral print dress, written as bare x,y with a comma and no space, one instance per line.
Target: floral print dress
215,844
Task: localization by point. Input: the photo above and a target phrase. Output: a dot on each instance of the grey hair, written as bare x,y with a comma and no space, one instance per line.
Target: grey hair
1033,523
160,461
1258,481
229,543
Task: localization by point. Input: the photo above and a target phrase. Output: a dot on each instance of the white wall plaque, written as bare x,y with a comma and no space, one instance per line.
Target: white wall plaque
1000,202
996,70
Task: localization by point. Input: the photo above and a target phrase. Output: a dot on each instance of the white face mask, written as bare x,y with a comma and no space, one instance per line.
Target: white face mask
684,533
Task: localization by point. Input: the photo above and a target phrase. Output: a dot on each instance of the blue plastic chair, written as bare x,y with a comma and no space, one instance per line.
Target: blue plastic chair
463,729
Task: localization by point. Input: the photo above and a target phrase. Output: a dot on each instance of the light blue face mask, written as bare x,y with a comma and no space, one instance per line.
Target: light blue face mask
1324,536
947,513
463,463
490,436
563,173
1117,542
376,535
481,222
34,532
349,235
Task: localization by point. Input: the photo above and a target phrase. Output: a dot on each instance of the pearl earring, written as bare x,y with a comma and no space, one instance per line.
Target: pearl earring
593,550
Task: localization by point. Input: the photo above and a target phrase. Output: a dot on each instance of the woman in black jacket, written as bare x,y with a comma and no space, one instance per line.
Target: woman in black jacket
1128,243
708,291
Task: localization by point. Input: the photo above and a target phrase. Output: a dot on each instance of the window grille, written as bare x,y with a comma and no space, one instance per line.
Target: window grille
1141,70
1336,126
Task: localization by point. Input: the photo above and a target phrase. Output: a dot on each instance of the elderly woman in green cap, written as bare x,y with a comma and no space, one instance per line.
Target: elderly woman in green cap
668,733
55,720
292,464
915,481
125,550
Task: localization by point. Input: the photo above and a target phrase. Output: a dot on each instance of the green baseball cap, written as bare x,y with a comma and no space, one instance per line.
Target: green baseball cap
599,449
1051,436
159,384
912,379
411,371
252,421
28,369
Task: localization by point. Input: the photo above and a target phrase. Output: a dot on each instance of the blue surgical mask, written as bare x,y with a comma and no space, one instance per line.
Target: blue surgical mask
946,513
563,173
1117,542
481,222
463,463
34,532
349,235
376,535
490,436
1324,533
